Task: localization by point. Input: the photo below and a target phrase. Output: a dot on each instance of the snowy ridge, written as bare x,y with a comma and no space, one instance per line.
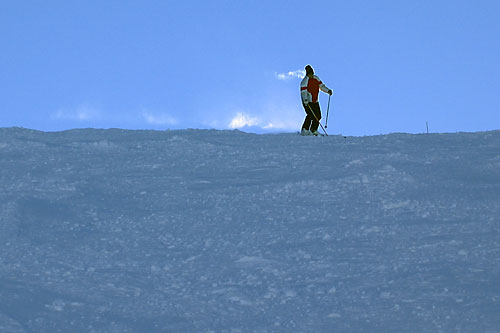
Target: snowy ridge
224,231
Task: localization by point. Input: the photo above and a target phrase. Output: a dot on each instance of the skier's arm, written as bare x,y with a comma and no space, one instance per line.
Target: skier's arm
323,87
304,94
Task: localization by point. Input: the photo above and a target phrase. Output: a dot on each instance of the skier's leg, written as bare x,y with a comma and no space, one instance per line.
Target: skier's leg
309,118
307,122
316,117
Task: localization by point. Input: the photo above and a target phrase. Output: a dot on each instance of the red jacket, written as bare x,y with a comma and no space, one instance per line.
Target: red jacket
310,87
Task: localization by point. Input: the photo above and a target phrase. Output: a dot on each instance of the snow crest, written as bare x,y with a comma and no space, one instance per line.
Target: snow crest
223,231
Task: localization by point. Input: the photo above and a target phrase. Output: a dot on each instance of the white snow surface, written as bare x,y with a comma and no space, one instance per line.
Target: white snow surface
225,231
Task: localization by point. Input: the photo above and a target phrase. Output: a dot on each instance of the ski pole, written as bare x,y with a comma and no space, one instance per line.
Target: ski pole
317,119
327,110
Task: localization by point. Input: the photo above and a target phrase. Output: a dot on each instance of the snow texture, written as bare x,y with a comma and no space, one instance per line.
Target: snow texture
224,231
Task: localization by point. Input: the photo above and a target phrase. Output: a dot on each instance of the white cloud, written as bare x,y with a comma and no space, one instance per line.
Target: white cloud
158,119
291,123
81,113
284,120
291,75
276,126
242,120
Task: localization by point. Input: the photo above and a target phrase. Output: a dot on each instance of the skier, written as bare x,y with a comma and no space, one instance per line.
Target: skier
309,91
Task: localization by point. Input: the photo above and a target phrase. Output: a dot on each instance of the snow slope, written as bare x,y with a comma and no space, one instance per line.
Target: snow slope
224,231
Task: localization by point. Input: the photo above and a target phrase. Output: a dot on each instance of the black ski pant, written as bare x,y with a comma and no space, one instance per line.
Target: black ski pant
312,119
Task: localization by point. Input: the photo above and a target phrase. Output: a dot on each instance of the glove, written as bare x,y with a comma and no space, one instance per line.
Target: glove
330,92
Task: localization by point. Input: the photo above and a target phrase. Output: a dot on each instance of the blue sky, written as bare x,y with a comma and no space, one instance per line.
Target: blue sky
393,65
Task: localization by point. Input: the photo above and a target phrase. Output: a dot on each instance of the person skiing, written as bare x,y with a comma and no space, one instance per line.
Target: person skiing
309,91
